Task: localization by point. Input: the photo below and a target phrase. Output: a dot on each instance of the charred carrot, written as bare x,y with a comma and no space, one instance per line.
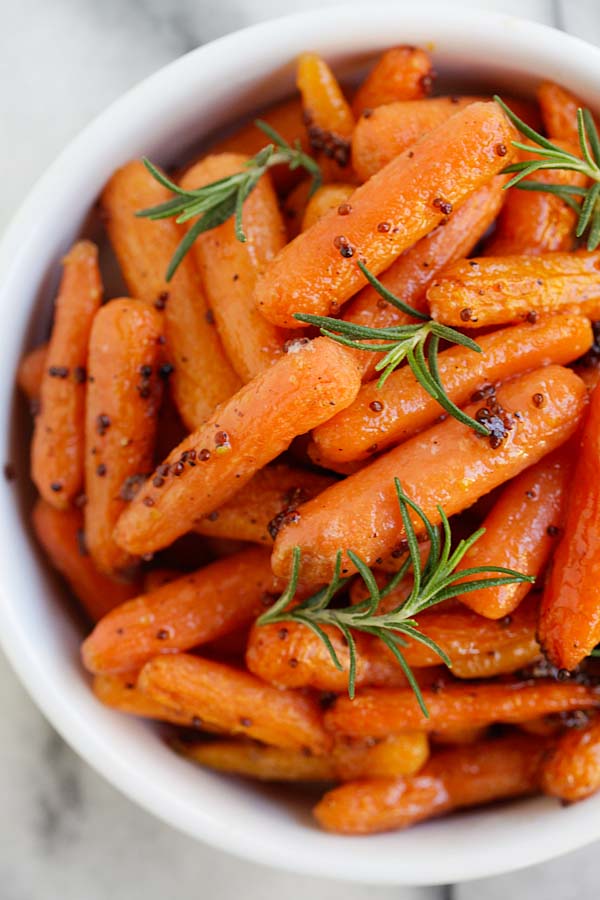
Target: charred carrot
61,534
123,398
569,622
31,372
301,390
380,417
402,73
335,195
202,376
476,293
327,115
235,702
448,466
317,272
571,771
57,449
184,613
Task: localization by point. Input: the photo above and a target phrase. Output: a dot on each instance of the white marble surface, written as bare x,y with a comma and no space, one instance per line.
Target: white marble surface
64,833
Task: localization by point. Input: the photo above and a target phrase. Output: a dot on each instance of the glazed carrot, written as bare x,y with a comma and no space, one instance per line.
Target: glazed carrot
491,290
461,777
229,268
376,712
397,754
31,371
255,512
402,73
590,375
202,376
60,532
122,693
294,207
301,390
389,130
559,111
327,115
521,531
569,622
156,578
57,446
330,196
317,272
448,465
466,735
380,417
184,613
572,769
235,701
123,397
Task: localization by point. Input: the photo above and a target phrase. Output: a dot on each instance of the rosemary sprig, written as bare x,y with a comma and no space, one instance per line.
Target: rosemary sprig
434,581
553,157
399,343
216,202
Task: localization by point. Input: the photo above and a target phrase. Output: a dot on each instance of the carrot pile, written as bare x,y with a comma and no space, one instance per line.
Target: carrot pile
196,446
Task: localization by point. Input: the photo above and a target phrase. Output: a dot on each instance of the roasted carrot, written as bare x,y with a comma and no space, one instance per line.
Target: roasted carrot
559,111
330,196
448,465
327,114
294,207
60,532
229,267
380,417
570,621
31,372
57,449
255,512
571,770
454,736
301,390
521,531
202,376
156,578
376,712
463,776
402,73
477,293
317,272
235,702
123,398
184,613
122,693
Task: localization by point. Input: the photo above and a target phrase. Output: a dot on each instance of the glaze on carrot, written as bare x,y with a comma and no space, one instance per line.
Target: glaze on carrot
335,195
327,114
402,73
571,771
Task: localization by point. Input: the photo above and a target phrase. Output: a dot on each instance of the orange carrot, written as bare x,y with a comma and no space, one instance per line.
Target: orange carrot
402,73
559,111
202,376
184,613
31,372
330,196
57,448
301,390
235,702
491,290
156,578
448,465
294,207
327,115
570,620
317,272
229,268
572,769
120,424
255,512
60,532
460,777
122,693
521,531
376,712
380,417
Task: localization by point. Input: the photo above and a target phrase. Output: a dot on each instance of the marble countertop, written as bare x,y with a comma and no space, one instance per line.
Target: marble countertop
65,834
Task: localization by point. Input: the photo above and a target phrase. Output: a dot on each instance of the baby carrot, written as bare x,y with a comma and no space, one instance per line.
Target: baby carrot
294,207
571,770
31,372
570,622
476,293
235,702
468,775
156,578
327,115
202,376
559,111
120,423
57,447
122,693
388,415
256,511
317,272
521,531
229,268
184,613
301,390
60,532
330,196
448,465
402,73
376,712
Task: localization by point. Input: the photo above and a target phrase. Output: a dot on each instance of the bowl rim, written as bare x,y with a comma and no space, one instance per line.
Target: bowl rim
318,854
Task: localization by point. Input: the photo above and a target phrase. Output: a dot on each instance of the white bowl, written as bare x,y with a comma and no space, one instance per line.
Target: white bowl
169,111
